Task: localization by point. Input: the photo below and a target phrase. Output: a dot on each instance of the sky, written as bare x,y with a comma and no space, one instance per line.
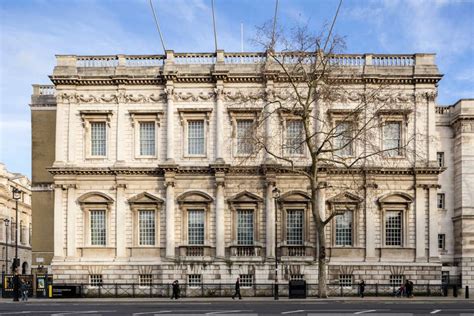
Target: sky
32,32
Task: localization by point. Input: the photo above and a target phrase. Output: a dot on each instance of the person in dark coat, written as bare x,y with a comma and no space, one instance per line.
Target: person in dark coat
361,288
175,288
23,290
237,289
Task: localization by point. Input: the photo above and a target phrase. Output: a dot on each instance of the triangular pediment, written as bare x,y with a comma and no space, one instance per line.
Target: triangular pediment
145,198
396,198
95,198
245,197
345,198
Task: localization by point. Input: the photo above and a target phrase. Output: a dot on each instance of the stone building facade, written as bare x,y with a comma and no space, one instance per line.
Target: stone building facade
138,176
8,226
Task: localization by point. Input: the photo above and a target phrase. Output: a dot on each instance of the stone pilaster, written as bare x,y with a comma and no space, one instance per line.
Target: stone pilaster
71,220
269,123
220,216
370,226
60,157
420,223
170,122
170,213
120,228
270,215
433,223
58,222
120,134
219,122
71,133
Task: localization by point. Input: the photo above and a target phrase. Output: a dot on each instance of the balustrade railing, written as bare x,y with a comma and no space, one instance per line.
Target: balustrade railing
45,90
393,60
244,58
194,251
197,58
144,60
443,109
297,251
245,251
347,60
97,61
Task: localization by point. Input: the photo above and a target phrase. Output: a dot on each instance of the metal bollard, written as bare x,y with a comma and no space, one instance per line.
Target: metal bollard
455,290
466,292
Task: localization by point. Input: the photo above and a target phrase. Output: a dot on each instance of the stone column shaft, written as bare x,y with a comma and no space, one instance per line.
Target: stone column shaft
170,126
219,124
420,224
58,222
220,221
119,134
369,231
120,222
71,221
433,224
170,229
270,222
71,133
60,156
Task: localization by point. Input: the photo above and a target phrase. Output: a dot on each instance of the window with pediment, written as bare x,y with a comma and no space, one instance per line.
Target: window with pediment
96,125
195,124
145,126
395,207
344,225
393,123
145,209
244,126
96,207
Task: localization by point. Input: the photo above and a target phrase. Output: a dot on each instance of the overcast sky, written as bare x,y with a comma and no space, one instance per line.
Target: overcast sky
33,31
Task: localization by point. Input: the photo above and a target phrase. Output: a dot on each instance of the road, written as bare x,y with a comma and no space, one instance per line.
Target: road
242,308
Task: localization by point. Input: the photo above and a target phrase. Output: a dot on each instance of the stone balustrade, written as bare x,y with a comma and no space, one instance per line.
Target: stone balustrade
43,89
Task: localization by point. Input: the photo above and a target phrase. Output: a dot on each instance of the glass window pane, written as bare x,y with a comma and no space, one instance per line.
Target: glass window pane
294,137
147,138
196,227
98,138
98,230
393,228
146,222
343,139
344,229
196,137
245,227
392,138
244,137
294,230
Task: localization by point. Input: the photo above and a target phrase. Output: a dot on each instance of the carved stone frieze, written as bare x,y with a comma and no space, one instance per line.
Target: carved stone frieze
110,98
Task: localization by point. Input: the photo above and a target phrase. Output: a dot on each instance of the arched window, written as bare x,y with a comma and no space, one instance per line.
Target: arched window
395,207
96,207
345,225
145,207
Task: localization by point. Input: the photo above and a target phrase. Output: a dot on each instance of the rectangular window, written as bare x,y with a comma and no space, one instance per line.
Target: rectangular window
344,229
294,137
147,138
345,279
245,227
196,227
393,228
343,139
22,233
440,158
145,280
146,223
296,276
246,280
95,279
441,201
194,280
97,222
392,136
244,137
445,277
294,227
441,241
98,139
196,137
396,280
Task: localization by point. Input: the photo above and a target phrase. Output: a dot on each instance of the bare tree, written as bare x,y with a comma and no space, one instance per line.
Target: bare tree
337,119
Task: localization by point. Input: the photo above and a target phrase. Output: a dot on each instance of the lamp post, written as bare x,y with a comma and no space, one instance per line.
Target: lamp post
7,223
276,196
16,197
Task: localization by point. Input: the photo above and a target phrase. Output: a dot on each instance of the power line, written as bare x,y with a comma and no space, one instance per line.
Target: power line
274,25
214,24
332,25
157,26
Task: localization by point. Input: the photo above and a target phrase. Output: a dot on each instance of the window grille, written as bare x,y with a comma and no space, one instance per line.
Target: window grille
196,137
294,137
244,137
345,279
194,280
440,158
98,138
196,227
97,222
396,280
246,280
95,279
441,200
393,228
245,227
445,277
146,222
343,139
344,229
441,241
296,276
145,280
392,138
147,138
294,227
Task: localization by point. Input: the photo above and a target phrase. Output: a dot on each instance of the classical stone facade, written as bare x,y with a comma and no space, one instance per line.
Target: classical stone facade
9,233
140,169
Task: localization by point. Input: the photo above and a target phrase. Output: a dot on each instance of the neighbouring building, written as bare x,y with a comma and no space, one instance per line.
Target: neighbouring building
138,176
9,234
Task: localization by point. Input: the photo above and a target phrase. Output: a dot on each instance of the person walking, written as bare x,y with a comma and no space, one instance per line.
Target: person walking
237,289
175,288
361,288
23,291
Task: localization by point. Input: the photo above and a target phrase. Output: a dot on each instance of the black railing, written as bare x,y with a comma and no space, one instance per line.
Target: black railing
255,290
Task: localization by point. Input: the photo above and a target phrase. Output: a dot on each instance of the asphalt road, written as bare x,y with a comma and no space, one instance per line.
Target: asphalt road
241,308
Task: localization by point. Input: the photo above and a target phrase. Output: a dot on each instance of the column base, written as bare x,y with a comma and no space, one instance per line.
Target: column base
421,259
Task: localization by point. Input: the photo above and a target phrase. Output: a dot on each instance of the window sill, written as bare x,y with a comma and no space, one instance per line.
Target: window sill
195,156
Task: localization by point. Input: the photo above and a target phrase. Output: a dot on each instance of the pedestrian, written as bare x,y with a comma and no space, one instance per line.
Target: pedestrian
237,289
361,288
23,290
410,286
175,288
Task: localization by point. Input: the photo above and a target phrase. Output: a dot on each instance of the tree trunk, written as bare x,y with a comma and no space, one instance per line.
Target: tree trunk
320,239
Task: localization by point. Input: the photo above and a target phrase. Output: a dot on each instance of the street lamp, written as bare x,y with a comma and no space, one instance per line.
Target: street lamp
276,196
7,223
16,197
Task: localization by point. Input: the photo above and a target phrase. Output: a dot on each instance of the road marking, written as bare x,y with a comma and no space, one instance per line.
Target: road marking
435,311
24,312
83,312
224,312
293,312
366,311
157,312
